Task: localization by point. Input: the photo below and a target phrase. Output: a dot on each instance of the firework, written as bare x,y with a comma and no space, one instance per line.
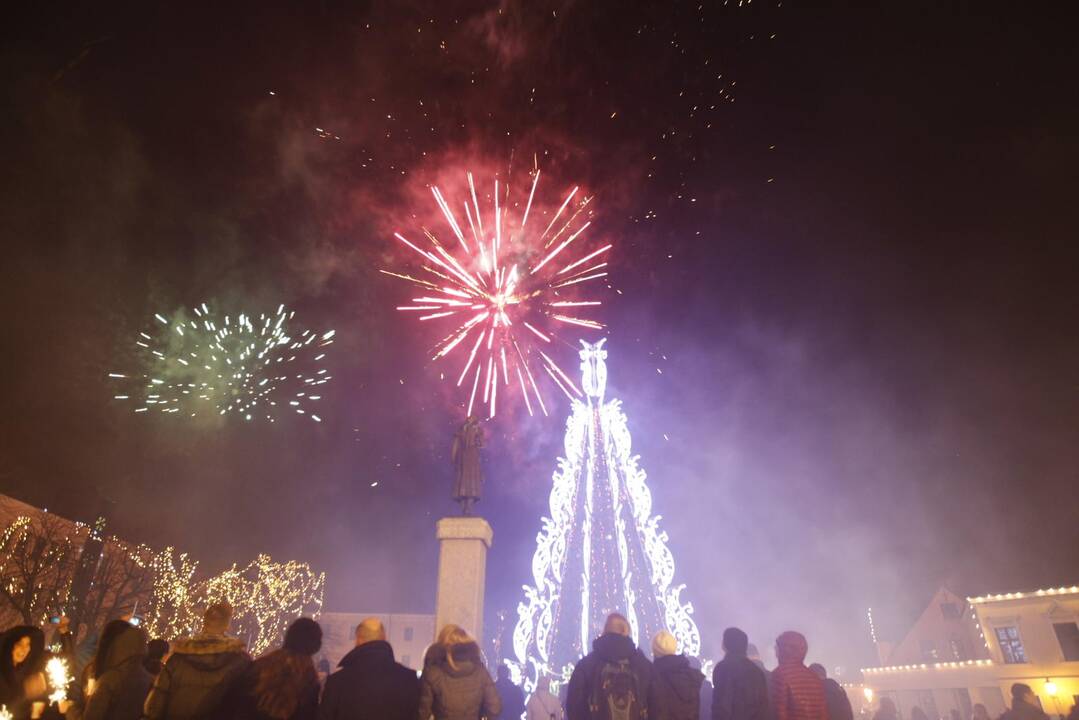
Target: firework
59,678
506,288
202,363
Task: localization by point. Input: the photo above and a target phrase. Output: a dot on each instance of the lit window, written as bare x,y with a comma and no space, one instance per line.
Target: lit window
1068,637
1011,645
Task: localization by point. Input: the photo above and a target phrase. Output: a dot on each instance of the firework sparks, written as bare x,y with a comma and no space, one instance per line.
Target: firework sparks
203,363
504,286
59,678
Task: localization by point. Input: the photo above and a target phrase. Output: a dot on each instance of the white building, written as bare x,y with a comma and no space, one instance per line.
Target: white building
408,634
1029,637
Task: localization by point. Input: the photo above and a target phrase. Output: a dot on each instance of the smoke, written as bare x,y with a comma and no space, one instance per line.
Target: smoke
838,403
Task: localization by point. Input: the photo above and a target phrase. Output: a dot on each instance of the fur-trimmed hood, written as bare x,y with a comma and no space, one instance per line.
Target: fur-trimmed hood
208,652
466,658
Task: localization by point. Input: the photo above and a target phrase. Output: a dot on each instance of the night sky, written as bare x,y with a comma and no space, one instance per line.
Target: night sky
846,337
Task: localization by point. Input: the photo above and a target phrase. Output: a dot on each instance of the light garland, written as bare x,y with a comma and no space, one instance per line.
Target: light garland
1073,590
33,561
601,547
265,595
935,666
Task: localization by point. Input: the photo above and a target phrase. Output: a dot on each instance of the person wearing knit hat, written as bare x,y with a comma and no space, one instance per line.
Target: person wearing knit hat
677,685
303,637
663,644
797,693
281,685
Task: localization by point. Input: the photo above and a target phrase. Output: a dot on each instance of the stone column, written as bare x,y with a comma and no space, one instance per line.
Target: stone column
462,566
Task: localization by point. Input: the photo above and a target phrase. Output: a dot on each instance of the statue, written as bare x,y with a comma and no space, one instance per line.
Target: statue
466,463
594,369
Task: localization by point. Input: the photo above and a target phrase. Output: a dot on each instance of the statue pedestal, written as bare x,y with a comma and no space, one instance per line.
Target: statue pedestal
462,566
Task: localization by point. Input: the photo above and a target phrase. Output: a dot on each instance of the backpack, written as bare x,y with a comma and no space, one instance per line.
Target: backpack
615,694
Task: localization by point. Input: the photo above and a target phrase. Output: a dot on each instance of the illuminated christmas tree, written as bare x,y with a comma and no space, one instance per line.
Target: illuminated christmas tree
601,550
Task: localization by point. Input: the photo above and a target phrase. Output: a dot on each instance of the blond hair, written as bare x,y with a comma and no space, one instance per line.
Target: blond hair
449,636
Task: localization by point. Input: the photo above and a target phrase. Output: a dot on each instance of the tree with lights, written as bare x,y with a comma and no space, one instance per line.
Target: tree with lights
50,565
601,549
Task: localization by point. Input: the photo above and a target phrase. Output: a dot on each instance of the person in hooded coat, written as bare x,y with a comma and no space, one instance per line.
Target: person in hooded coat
739,685
614,646
199,671
22,661
797,694
120,680
370,684
543,705
455,685
677,685
835,697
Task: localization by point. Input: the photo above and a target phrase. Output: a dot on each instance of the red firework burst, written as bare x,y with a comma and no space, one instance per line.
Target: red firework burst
507,289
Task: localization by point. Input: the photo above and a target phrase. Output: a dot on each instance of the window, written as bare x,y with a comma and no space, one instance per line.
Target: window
1068,637
1011,645
958,647
406,660
950,611
408,634
929,650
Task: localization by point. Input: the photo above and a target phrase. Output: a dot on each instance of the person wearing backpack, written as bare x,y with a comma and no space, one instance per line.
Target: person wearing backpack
614,681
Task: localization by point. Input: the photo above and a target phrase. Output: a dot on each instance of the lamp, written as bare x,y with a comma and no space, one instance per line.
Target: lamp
1050,688
868,692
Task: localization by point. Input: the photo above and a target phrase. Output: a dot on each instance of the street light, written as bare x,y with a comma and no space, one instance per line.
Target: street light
1051,691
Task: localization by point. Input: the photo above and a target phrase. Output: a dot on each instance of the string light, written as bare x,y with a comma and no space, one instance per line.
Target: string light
923,666
265,595
601,549
1073,590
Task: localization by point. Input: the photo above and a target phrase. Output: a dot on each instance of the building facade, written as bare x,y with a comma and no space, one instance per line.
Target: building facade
408,634
1028,637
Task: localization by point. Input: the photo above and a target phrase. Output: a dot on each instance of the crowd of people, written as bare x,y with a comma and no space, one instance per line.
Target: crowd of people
121,675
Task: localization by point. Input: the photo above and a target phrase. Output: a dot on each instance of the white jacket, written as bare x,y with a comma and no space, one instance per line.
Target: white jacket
543,706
